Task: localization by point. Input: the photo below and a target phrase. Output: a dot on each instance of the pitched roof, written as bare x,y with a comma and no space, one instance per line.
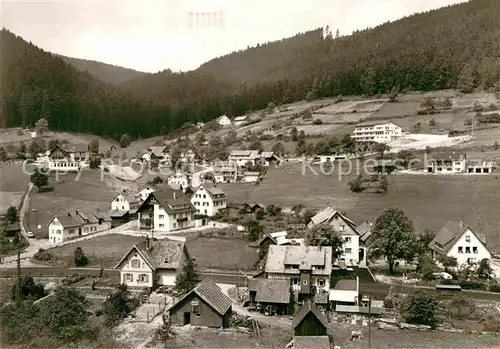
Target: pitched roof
304,256
172,201
162,254
251,154
270,290
365,230
117,213
309,307
449,234
78,218
325,215
268,236
212,189
311,342
448,155
209,292
240,118
346,285
157,150
375,123
129,196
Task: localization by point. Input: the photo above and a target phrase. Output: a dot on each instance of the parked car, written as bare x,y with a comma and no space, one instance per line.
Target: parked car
443,275
30,234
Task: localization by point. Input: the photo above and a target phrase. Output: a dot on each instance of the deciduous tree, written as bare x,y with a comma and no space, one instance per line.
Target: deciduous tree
325,235
420,307
40,178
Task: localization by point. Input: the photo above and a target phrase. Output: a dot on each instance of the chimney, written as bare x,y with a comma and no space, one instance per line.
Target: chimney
461,224
147,243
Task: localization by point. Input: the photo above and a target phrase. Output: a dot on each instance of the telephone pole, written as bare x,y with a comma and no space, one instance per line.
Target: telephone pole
370,321
19,293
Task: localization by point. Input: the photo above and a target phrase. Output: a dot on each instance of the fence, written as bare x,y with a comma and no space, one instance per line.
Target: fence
146,312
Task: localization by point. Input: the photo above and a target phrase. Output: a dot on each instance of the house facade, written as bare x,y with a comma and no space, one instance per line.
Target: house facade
305,266
74,224
204,306
480,166
70,157
179,178
268,158
460,242
209,199
345,291
240,120
353,253
244,157
152,262
145,191
309,321
225,171
223,120
332,158
166,210
187,157
377,132
251,176
159,153
447,163
125,202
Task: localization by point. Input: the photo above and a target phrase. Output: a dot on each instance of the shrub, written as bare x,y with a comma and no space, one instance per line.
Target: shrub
80,257
317,122
495,288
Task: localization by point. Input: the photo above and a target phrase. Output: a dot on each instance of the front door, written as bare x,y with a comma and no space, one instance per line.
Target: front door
187,318
79,231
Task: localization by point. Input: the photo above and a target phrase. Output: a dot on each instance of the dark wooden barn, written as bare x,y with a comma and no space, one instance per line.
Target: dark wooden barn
309,321
205,305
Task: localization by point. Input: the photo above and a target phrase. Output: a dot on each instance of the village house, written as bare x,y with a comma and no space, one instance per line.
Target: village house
268,158
365,231
459,241
480,166
251,176
447,163
166,210
187,157
179,179
73,224
123,207
69,157
159,153
278,238
209,199
224,121
377,132
240,120
204,306
152,262
244,157
270,293
145,191
225,171
309,321
353,253
200,125
305,266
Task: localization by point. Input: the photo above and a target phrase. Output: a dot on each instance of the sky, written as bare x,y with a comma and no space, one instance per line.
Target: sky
153,35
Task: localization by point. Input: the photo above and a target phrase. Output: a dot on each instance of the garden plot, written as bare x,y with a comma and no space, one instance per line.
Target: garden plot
315,130
468,101
342,118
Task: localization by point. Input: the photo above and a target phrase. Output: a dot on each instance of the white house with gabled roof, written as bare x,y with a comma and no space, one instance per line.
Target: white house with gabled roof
459,241
353,252
223,120
152,261
240,120
179,178
209,199
244,157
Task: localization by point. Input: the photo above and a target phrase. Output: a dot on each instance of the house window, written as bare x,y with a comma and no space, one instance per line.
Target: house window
143,278
162,225
348,239
467,249
128,277
295,281
175,225
348,250
136,263
321,282
467,238
342,227
161,216
460,249
474,249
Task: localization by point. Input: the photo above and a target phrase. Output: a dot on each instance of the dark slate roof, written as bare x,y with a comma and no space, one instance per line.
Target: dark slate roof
117,214
448,235
346,285
267,236
162,254
76,147
209,292
173,201
311,342
270,290
307,308
77,218
365,230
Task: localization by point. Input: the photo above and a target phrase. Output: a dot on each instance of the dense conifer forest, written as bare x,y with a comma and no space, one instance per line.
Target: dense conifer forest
453,47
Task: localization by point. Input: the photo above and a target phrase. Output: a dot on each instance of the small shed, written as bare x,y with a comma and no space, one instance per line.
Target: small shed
309,321
205,305
271,292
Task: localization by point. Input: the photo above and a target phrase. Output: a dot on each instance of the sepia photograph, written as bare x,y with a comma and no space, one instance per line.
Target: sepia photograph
320,174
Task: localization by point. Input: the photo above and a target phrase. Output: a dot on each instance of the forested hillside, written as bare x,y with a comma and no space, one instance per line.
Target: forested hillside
457,46
109,73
